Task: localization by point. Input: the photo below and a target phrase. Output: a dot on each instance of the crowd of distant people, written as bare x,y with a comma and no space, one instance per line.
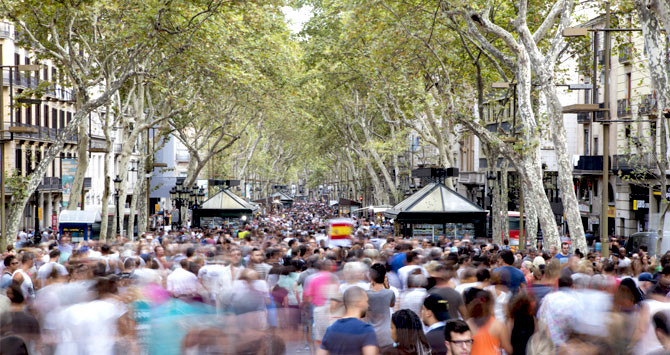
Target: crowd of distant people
273,285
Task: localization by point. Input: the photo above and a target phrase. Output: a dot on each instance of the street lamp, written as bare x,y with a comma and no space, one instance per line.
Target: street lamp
117,187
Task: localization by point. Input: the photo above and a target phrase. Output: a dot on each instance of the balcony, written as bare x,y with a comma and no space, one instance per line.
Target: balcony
635,162
648,105
44,134
589,163
50,184
623,108
6,30
20,80
626,53
87,183
584,117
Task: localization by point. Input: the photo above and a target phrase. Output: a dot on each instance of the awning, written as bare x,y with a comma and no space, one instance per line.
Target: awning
227,200
78,216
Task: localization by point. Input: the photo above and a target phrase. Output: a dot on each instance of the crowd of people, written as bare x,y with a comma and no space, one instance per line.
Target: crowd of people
273,285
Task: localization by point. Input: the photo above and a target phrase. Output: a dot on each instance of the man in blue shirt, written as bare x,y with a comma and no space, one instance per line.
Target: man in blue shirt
516,276
564,255
350,335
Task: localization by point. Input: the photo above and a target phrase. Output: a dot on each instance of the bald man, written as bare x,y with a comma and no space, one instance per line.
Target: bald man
349,334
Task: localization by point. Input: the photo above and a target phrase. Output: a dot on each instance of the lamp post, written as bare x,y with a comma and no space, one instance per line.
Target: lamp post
117,186
173,197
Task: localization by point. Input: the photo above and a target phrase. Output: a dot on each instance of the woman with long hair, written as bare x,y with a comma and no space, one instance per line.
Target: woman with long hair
521,322
490,334
407,333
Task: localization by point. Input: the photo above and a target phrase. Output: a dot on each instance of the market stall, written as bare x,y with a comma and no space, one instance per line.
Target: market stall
80,225
224,208
437,210
345,207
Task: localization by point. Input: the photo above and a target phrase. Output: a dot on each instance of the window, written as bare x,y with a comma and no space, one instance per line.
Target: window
45,74
28,74
29,161
54,118
54,75
46,116
17,61
62,119
18,160
629,81
587,141
29,114
595,146
69,117
38,115
17,115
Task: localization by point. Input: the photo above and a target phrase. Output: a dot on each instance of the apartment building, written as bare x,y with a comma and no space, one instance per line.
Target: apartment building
45,117
634,194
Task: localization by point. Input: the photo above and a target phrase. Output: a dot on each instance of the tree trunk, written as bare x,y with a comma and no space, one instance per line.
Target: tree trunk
76,197
137,193
143,210
104,212
380,164
106,192
531,217
504,199
496,212
381,195
658,11
532,157
565,182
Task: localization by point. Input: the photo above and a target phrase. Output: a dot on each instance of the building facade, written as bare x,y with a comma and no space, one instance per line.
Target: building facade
634,194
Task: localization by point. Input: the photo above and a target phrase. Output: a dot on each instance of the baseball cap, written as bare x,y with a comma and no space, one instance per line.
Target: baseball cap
645,276
437,305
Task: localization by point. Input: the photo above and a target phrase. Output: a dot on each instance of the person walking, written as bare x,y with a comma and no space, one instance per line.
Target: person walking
22,277
434,314
490,335
457,337
380,299
350,335
407,333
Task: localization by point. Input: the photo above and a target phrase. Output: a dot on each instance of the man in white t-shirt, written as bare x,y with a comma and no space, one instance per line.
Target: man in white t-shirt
413,260
23,238
182,282
45,270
